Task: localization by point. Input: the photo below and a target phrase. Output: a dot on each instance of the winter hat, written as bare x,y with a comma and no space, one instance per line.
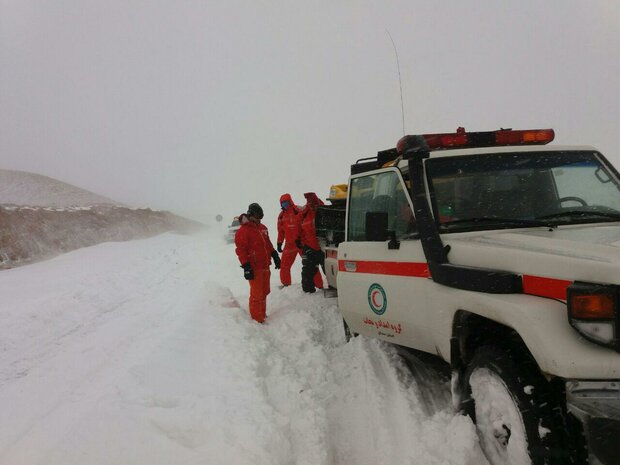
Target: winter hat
255,210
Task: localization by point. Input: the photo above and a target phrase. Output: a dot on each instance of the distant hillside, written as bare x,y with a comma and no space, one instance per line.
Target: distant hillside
23,188
41,217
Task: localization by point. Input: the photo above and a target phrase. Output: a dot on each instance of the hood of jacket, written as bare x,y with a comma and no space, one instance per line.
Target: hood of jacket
286,197
312,199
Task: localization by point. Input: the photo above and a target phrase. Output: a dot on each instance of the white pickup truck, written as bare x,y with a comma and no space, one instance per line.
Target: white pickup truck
501,255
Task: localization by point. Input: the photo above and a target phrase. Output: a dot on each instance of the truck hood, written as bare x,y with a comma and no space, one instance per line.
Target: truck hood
576,252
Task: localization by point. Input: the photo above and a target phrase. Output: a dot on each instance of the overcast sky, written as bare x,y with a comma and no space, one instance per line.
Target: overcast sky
202,107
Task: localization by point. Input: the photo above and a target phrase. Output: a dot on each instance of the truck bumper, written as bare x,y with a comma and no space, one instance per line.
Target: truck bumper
597,405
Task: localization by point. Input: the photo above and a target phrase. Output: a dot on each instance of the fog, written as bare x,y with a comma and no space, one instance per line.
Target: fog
201,107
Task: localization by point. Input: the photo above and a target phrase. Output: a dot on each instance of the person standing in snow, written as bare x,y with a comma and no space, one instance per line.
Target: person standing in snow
289,229
312,255
255,252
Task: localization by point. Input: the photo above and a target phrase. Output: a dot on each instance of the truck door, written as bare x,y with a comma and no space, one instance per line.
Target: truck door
382,281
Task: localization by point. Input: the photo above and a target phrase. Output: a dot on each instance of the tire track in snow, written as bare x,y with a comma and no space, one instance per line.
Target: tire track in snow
57,395
76,307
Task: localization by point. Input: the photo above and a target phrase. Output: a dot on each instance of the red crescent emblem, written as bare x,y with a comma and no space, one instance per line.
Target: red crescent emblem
372,297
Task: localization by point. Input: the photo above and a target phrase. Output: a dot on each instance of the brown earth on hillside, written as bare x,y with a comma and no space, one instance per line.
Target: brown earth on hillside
30,234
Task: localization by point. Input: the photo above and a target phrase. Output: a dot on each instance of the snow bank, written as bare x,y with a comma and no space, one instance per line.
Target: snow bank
29,234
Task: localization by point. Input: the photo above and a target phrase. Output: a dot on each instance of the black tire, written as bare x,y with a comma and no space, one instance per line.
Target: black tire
536,420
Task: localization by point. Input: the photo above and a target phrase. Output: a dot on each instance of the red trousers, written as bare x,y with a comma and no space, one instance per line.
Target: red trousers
289,254
287,259
259,290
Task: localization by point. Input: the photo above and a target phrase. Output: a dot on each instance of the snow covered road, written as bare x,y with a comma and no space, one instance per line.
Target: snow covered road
142,352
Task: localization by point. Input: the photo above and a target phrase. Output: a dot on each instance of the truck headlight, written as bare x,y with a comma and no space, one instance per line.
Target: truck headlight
593,311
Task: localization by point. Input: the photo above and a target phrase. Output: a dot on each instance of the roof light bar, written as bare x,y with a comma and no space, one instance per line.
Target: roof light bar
462,139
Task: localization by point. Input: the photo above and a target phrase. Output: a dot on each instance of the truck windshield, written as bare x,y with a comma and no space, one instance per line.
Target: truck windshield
508,190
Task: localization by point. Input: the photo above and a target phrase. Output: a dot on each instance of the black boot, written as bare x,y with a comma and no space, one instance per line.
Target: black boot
307,273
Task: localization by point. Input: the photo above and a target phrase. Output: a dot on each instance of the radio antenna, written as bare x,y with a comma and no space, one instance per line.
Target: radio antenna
400,83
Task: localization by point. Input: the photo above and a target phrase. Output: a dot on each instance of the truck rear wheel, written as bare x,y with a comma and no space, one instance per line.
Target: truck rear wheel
518,419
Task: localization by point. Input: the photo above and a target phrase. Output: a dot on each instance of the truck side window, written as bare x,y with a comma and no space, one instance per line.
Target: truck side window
382,192
404,221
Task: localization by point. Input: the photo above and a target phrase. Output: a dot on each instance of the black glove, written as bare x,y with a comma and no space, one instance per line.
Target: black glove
299,244
276,259
247,271
279,247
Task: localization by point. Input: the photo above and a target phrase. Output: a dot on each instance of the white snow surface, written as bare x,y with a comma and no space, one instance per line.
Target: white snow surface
30,189
143,352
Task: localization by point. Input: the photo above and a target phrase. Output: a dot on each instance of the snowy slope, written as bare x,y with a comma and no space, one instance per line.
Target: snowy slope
142,352
41,217
30,189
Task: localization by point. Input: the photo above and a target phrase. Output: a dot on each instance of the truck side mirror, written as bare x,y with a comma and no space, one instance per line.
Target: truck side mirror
376,226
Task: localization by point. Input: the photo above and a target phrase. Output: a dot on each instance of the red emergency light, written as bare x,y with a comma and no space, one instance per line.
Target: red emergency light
462,140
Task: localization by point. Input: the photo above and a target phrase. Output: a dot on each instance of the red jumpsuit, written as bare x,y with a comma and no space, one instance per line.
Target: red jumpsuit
289,229
314,256
254,247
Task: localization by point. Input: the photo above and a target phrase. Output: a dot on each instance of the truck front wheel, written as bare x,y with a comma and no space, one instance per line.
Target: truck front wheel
518,419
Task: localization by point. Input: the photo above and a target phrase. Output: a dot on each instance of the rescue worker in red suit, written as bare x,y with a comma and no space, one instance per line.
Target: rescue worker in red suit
312,255
255,252
289,229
